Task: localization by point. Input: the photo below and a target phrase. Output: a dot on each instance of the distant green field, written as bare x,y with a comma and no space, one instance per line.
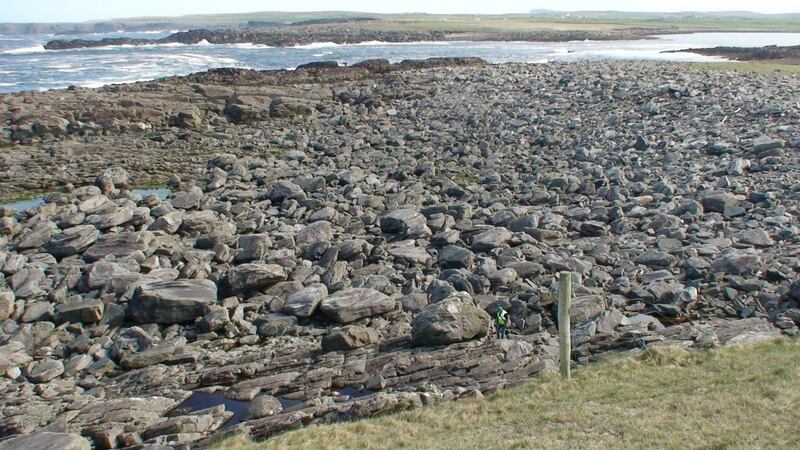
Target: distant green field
750,66
471,23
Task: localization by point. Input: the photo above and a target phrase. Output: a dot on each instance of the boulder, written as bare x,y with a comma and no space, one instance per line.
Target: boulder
316,232
119,245
352,304
274,324
719,201
454,257
405,222
737,262
44,370
253,276
304,303
47,441
86,311
36,236
263,406
111,218
491,239
172,301
349,338
451,320
200,222
282,190
72,241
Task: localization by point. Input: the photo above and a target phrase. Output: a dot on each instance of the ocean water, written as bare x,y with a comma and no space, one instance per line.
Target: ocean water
26,65
24,205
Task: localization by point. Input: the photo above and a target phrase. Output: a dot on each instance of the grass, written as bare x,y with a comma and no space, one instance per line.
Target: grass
732,398
477,23
748,66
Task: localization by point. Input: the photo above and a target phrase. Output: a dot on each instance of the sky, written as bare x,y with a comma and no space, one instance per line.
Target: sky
82,10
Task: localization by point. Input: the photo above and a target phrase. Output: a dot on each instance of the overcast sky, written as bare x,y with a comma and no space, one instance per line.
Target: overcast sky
81,10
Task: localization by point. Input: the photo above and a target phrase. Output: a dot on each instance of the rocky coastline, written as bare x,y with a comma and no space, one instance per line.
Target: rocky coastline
336,238
294,35
767,53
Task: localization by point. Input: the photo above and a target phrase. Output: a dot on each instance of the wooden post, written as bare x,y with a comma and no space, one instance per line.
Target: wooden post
564,337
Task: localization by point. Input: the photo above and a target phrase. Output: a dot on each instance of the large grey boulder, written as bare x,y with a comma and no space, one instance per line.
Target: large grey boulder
316,232
349,338
28,282
451,320
737,262
111,218
352,304
282,190
304,303
248,277
454,257
36,236
252,247
119,245
200,222
7,299
718,201
87,311
187,200
72,241
44,370
47,441
490,239
405,222
263,406
172,301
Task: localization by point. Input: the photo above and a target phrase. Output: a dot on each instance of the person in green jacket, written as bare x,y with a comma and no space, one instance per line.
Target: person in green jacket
501,321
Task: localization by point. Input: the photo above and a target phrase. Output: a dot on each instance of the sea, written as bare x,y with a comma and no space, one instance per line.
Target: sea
25,64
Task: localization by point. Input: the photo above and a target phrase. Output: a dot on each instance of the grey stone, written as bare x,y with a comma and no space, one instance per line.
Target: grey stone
352,304
172,301
47,441
405,222
454,257
454,319
304,303
72,241
263,406
44,370
491,239
253,276
349,338
86,311
119,245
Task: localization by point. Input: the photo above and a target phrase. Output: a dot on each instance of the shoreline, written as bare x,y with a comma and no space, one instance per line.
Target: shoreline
337,238
349,37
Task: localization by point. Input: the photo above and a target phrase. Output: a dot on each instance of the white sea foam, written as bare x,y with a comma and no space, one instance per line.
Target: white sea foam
20,51
249,45
384,43
314,45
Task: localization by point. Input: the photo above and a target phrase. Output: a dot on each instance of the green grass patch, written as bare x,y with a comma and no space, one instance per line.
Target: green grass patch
748,66
731,398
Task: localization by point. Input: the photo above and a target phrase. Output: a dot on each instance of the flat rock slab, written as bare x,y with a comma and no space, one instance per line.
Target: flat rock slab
172,301
119,245
350,305
247,277
47,441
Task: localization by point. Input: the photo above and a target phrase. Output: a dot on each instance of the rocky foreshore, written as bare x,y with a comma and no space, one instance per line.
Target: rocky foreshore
768,53
336,238
293,35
